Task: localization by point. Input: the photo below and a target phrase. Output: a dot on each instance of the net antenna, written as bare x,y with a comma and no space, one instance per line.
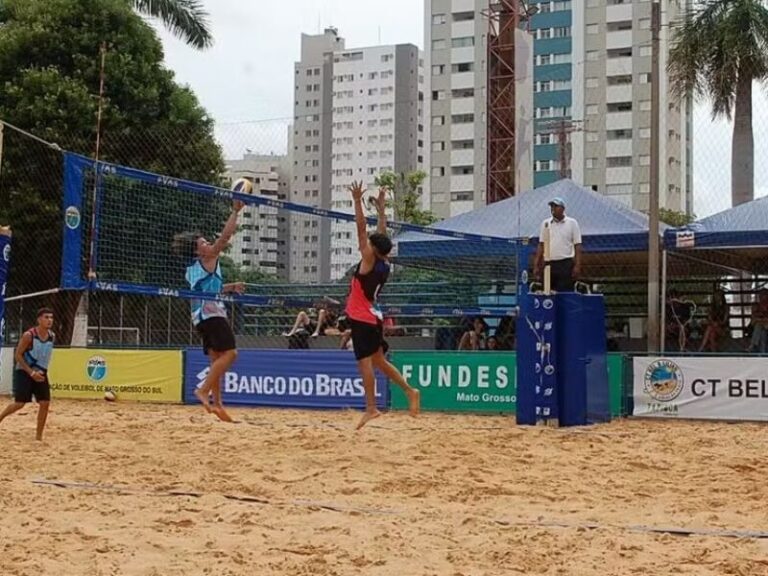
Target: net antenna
97,156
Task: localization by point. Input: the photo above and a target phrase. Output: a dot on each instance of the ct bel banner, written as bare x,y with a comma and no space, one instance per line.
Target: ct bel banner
458,381
286,378
146,376
717,388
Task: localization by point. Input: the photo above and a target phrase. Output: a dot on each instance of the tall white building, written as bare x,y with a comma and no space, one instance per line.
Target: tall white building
456,71
590,109
262,237
310,238
612,104
377,127
357,112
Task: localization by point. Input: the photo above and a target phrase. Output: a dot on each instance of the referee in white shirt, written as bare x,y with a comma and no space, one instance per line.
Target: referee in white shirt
564,248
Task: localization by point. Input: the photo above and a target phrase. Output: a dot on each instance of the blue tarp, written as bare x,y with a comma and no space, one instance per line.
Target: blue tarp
744,226
606,224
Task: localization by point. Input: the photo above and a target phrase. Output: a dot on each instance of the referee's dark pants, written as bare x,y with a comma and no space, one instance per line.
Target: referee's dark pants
561,275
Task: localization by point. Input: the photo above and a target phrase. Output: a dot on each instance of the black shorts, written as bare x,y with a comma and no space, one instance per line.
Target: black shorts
24,387
217,335
367,339
561,275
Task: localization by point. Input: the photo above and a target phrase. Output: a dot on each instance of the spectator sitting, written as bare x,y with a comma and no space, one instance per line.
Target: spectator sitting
492,344
717,322
390,329
759,323
505,333
325,324
474,339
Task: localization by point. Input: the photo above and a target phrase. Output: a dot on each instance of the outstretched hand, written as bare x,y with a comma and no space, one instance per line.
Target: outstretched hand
357,190
381,200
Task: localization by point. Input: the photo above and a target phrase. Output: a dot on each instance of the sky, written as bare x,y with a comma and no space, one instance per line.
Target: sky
246,80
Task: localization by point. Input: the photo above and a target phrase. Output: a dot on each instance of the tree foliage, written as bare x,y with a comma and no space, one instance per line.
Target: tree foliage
49,85
718,52
405,197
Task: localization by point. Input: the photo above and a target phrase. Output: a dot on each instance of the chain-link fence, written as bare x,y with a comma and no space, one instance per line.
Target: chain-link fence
711,272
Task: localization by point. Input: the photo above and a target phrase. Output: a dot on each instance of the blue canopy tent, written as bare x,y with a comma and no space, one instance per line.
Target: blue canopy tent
735,239
608,227
727,248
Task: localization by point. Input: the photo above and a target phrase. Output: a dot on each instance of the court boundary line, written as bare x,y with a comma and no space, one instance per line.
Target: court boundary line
343,508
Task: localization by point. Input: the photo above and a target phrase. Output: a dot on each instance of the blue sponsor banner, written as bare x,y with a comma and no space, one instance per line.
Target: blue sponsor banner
287,378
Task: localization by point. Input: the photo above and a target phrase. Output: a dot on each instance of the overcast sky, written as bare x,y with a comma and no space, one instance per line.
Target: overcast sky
246,80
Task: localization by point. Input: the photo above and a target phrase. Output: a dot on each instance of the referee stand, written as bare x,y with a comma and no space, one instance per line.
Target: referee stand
562,370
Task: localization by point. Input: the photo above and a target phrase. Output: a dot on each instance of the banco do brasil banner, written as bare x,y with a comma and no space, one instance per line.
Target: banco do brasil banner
286,378
458,381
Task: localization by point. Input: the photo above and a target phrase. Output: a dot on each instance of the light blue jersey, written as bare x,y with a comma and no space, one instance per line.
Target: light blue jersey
38,356
203,281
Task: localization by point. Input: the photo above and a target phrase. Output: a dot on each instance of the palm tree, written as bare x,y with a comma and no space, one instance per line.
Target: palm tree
186,19
718,51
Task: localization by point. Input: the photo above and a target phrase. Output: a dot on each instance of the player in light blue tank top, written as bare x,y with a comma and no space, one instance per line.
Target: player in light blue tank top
30,378
203,274
203,281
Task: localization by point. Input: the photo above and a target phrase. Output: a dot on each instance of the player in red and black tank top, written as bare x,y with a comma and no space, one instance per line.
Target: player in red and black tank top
365,318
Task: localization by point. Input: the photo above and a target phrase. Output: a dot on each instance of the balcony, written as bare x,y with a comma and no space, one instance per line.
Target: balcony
618,13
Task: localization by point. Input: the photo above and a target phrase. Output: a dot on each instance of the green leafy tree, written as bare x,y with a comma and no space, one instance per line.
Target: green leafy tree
719,51
405,196
675,218
49,83
186,19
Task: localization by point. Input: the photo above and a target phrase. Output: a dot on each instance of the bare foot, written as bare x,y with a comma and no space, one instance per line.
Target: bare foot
222,414
203,400
367,417
414,402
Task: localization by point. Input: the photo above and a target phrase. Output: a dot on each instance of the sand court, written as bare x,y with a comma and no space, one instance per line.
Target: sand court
138,489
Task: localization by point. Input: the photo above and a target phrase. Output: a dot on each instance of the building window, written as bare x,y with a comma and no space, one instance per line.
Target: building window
462,170
620,107
438,44
438,70
463,16
438,171
461,196
462,118
618,161
645,160
620,80
591,163
645,132
619,134
463,42
438,19
438,95
438,120
593,83
462,67
438,146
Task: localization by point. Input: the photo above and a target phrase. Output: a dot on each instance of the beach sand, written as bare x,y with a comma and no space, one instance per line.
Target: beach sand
167,490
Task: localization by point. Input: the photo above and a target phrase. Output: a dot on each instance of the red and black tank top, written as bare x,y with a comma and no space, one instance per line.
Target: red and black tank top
364,291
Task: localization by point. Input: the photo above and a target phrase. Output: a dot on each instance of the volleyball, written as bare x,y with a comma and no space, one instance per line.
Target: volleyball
243,186
110,396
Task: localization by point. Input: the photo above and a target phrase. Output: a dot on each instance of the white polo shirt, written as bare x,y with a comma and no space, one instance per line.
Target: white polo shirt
563,237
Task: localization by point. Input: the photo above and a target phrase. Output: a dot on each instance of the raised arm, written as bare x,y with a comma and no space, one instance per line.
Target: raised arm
381,209
362,229
229,229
